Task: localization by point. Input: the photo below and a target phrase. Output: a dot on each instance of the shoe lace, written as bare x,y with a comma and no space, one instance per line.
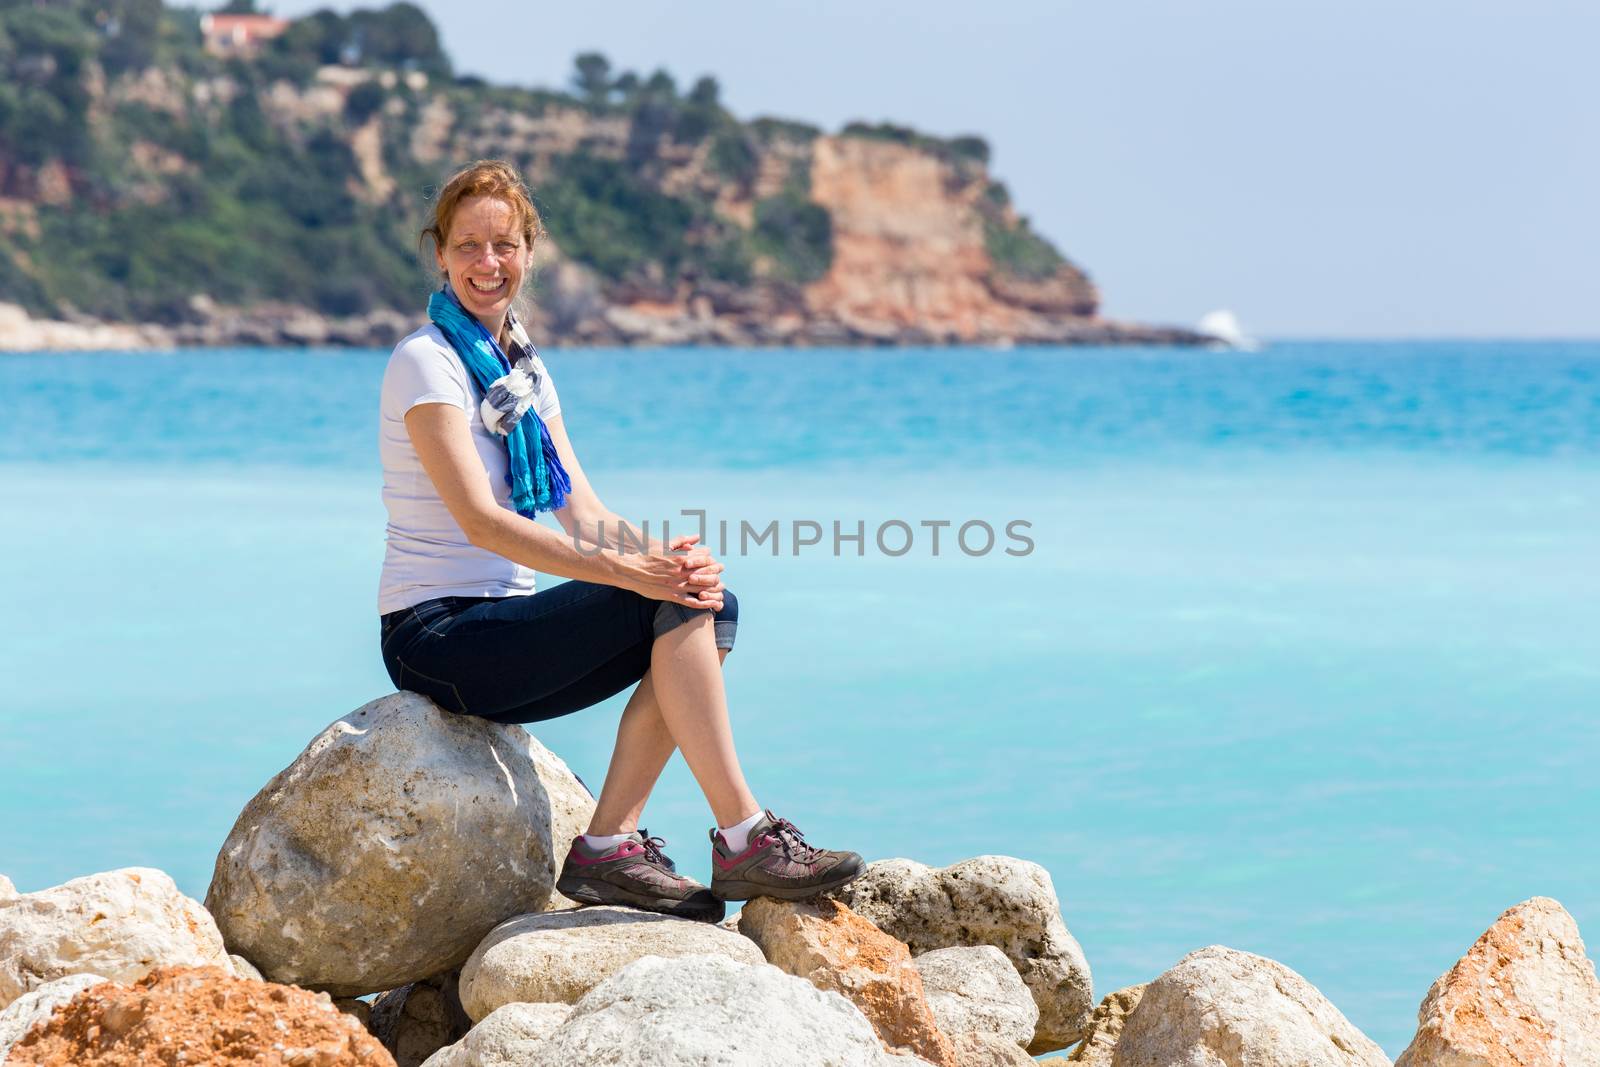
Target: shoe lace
793,842
652,850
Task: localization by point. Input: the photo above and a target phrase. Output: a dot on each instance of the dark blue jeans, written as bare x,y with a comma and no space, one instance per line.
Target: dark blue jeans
528,658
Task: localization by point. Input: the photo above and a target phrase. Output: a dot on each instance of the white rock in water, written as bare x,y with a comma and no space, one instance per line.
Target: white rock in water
387,850
1219,1007
34,1007
120,924
508,1037
1525,993
989,900
700,1011
556,957
975,990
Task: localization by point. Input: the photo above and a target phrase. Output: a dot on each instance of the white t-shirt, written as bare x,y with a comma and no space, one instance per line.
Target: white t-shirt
428,555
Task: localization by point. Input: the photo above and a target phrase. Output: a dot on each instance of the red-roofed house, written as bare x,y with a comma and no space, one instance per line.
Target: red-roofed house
239,35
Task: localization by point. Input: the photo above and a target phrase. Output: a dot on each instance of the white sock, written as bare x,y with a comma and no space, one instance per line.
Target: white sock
737,836
604,842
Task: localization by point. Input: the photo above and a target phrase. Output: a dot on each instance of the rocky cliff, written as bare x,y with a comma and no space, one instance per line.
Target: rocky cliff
275,198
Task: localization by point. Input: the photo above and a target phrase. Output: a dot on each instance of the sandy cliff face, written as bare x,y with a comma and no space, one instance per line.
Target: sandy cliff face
909,249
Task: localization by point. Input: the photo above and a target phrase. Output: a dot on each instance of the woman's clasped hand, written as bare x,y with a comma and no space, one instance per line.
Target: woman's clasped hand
686,573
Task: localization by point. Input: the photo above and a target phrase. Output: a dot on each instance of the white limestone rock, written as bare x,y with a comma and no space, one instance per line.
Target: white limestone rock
700,1011
387,850
988,900
975,990
509,1036
245,969
557,957
989,1050
1524,994
121,924
7,890
37,1005
1219,1007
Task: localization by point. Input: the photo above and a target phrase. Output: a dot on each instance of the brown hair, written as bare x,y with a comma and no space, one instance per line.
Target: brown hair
486,177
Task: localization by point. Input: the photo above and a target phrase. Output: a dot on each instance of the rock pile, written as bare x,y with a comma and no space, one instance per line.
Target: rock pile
411,853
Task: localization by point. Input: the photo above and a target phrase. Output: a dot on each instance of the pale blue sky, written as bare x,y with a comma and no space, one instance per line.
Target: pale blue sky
1396,168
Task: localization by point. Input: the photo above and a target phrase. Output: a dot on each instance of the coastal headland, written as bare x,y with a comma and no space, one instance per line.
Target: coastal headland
163,186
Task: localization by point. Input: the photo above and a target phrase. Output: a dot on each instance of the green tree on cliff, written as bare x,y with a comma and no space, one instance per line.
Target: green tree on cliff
591,77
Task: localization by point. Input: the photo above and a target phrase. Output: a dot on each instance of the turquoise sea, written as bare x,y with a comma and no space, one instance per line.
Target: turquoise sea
1305,658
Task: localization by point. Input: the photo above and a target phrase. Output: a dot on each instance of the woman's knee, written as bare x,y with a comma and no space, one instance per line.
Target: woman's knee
726,625
724,622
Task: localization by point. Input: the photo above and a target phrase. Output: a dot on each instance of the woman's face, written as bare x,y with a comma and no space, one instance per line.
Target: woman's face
485,256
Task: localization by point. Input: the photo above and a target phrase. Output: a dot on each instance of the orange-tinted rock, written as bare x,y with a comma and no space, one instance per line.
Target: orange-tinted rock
199,1015
835,949
1524,995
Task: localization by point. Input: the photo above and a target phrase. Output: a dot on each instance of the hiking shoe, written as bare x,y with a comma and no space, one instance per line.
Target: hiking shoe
635,872
778,863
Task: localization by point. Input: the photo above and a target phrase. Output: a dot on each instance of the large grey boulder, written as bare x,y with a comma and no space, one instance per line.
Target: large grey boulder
700,1011
1525,993
387,850
989,900
37,1005
556,957
975,990
120,924
1219,1007
509,1036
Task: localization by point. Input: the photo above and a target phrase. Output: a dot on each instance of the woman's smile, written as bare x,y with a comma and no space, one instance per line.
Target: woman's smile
486,257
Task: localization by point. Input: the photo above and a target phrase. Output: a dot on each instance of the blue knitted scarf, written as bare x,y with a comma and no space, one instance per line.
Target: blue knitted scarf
537,479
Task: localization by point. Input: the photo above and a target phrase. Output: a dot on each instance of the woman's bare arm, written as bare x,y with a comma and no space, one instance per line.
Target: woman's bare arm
443,441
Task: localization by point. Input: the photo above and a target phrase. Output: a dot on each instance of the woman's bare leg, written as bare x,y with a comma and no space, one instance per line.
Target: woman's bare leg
693,706
644,745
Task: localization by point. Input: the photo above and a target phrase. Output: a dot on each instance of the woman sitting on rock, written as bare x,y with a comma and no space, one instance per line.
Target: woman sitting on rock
473,444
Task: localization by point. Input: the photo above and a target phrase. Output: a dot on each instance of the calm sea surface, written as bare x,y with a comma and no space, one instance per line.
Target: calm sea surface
1304,658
